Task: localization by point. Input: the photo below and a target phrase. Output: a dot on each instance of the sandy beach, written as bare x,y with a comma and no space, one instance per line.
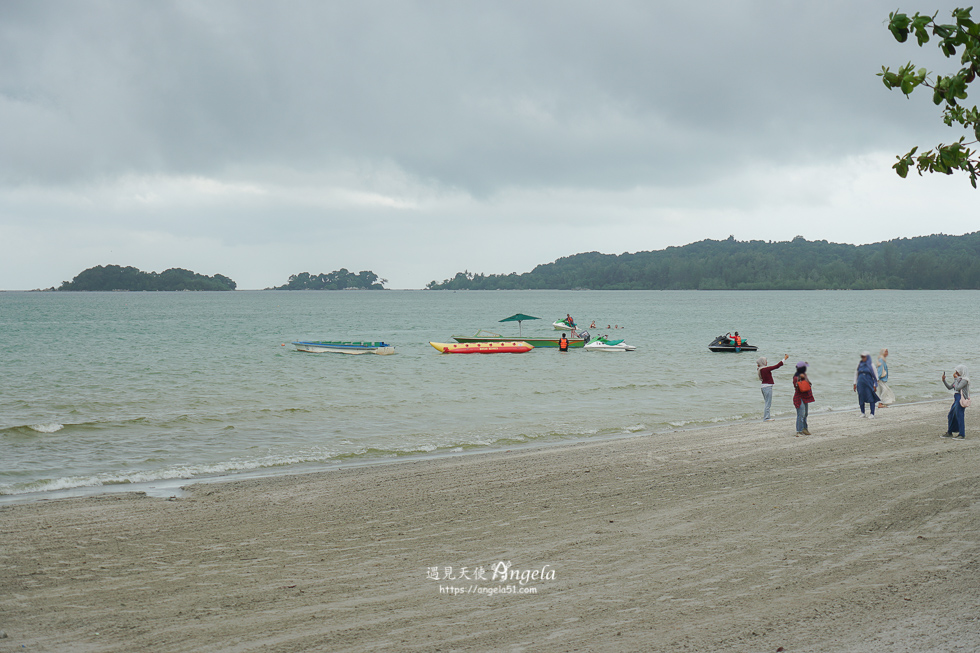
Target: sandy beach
862,537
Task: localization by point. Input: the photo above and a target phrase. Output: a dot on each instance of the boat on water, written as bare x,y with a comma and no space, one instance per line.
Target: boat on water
562,325
344,347
726,344
509,347
603,344
486,336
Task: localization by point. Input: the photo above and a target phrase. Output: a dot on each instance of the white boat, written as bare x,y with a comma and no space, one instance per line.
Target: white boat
562,325
344,347
601,344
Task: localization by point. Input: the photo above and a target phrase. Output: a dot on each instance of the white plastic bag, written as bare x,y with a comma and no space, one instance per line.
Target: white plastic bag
885,393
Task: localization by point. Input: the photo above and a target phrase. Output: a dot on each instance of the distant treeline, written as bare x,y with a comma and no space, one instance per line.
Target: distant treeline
928,262
341,279
115,277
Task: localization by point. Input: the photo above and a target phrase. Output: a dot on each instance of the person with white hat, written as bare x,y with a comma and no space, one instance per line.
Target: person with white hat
764,371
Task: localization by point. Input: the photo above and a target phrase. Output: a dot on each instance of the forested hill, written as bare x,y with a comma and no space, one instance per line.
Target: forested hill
341,279
115,277
928,262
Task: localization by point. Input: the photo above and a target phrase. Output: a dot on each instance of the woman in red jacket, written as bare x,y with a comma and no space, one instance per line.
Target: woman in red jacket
802,398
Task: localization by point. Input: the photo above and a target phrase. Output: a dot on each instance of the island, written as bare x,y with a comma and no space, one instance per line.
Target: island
937,262
341,279
116,277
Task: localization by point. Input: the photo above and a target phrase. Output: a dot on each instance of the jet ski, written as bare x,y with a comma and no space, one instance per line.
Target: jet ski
563,325
724,343
603,344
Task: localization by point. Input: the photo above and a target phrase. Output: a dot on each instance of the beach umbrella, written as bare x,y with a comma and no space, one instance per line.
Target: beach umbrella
519,317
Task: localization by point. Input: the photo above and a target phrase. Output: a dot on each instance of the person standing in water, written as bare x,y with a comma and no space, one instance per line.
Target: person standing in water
865,383
802,398
884,392
961,400
765,375
563,343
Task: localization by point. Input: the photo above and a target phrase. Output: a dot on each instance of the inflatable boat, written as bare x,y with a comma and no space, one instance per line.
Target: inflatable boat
482,347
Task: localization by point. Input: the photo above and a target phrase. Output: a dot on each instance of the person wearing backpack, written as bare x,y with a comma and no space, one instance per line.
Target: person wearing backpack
802,398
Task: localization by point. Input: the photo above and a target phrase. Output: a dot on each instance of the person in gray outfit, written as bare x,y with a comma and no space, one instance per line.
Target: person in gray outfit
961,400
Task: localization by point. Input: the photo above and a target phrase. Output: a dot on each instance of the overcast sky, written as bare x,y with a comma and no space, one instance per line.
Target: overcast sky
262,139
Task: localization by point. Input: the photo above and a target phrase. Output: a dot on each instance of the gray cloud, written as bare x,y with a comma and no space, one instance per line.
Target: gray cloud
475,95
121,115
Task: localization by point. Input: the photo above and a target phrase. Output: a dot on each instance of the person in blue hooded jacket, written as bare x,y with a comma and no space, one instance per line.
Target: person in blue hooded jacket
865,384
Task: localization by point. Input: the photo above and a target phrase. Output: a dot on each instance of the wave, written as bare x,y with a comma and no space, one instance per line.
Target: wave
715,420
191,472
161,421
32,429
188,472
52,427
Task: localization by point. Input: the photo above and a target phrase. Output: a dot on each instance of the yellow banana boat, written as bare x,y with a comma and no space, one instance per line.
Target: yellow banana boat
516,347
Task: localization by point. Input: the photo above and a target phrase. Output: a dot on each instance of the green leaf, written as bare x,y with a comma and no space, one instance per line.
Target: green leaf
963,39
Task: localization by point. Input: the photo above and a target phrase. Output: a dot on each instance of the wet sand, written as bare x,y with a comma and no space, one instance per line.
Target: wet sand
862,537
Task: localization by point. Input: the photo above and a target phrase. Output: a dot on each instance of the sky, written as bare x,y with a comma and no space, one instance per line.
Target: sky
418,139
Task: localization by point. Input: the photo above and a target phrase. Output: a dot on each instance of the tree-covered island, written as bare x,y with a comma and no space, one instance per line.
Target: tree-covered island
116,277
929,262
341,279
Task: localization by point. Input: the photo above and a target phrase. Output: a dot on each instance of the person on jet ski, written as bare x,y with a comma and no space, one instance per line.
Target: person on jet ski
734,340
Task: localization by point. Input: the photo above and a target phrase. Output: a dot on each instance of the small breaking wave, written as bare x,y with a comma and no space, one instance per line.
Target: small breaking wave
51,427
32,429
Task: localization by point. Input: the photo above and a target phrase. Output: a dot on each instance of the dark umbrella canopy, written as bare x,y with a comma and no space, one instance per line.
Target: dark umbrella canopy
519,317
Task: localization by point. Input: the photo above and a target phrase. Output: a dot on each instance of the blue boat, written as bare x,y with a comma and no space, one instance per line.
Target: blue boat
345,347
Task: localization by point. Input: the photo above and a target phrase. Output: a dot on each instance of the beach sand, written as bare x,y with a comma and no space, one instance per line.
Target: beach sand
862,537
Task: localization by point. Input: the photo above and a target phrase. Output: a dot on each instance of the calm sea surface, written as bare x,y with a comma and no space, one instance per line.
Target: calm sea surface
109,388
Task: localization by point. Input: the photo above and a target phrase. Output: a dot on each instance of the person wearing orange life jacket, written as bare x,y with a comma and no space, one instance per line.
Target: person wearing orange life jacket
563,343
734,340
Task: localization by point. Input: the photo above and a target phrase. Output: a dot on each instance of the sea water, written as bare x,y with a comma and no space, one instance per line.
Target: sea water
123,387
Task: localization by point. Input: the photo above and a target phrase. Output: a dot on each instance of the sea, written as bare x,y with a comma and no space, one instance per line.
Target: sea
152,390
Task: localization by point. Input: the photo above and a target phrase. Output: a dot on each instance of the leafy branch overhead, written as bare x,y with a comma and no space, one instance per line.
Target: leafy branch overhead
961,38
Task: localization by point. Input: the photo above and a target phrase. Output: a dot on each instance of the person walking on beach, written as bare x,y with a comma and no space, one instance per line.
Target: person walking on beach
884,392
765,375
961,401
865,383
802,398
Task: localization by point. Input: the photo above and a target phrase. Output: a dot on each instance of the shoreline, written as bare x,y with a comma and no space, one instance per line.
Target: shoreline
175,487
736,537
